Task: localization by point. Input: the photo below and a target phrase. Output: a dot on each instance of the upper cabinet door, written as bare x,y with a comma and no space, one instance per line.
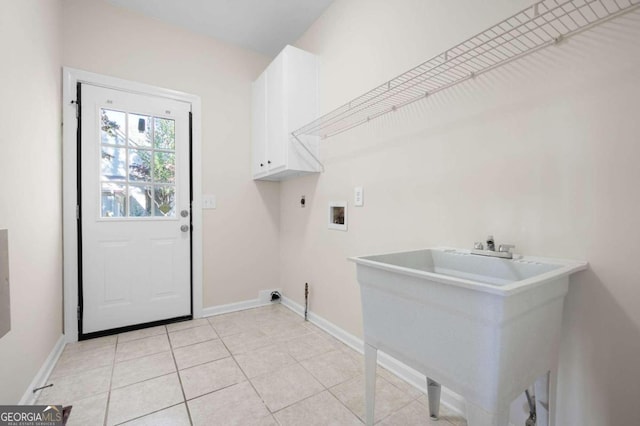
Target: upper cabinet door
259,125
287,95
277,135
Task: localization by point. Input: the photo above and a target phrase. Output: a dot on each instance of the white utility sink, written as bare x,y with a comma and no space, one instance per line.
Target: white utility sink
484,327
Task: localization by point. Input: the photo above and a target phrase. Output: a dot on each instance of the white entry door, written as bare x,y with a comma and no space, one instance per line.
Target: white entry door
135,209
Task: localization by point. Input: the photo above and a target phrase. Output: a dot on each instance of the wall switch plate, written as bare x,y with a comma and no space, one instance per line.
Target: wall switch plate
208,201
358,196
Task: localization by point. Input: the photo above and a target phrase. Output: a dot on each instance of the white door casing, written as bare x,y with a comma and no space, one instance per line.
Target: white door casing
71,77
135,185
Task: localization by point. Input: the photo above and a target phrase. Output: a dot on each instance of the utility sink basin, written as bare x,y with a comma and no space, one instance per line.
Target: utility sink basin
484,327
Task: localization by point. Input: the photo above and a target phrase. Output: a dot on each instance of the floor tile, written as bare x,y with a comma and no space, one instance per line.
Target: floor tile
235,405
284,387
247,341
143,398
89,411
288,313
388,397
210,377
264,360
87,345
414,414
229,326
319,410
332,368
309,345
193,335
280,326
139,334
142,347
74,362
283,333
67,389
199,353
399,383
139,369
183,325
289,362
172,416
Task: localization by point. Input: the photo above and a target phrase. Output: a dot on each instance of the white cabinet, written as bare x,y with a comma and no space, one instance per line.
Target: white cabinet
284,98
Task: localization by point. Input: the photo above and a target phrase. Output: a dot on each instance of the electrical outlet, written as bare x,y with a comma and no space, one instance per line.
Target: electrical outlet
358,196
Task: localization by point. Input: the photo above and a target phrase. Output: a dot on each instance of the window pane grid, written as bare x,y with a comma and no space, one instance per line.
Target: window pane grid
142,184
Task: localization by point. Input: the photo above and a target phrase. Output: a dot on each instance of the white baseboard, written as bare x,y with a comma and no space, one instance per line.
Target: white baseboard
452,400
40,379
233,307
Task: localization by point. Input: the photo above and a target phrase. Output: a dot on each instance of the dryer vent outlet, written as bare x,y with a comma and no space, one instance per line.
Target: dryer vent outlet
275,296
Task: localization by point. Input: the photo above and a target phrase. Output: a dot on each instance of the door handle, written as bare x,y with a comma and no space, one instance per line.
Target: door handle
184,228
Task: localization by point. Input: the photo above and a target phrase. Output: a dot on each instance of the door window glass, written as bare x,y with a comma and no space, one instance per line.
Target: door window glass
138,165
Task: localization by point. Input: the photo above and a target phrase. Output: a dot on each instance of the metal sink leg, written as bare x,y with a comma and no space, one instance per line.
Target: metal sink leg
433,390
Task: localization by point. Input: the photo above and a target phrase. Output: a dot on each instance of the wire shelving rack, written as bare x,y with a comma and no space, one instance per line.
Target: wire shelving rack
542,24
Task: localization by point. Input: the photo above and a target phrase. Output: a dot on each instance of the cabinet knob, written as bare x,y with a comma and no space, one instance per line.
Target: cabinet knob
269,162
261,165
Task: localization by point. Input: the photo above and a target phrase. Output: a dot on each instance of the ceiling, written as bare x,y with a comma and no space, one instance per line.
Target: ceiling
265,26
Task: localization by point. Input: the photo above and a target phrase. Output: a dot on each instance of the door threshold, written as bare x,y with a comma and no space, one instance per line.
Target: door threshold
119,330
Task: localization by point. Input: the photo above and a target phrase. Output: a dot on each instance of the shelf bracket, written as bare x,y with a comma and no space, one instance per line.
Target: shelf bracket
308,151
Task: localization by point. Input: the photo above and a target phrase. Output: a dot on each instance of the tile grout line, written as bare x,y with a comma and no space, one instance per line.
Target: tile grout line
325,388
378,377
148,379
296,361
175,363
251,382
113,368
252,323
203,363
145,355
247,377
148,414
329,389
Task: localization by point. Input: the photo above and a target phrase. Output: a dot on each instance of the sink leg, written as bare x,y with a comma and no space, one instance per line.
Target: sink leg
433,390
370,366
477,416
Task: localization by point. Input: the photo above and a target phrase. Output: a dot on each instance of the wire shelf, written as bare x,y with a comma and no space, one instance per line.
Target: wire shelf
542,24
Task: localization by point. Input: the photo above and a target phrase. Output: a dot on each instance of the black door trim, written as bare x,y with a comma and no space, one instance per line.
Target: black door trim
79,203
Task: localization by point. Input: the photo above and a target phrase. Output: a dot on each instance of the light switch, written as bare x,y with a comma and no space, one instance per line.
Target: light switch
358,196
208,201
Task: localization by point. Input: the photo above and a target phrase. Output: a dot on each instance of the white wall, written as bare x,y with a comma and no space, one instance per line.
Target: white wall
241,235
542,153
30,195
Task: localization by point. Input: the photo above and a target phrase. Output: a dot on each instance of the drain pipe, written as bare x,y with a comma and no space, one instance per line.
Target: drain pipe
531,400
306,301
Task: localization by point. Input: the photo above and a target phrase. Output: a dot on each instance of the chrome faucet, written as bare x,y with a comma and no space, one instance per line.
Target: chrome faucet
491,245
504,250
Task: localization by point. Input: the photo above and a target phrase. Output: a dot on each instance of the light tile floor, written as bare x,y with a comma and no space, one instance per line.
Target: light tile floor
262,366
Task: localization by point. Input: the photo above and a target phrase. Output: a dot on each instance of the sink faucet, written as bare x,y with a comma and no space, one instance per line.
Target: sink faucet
504,250
491,245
